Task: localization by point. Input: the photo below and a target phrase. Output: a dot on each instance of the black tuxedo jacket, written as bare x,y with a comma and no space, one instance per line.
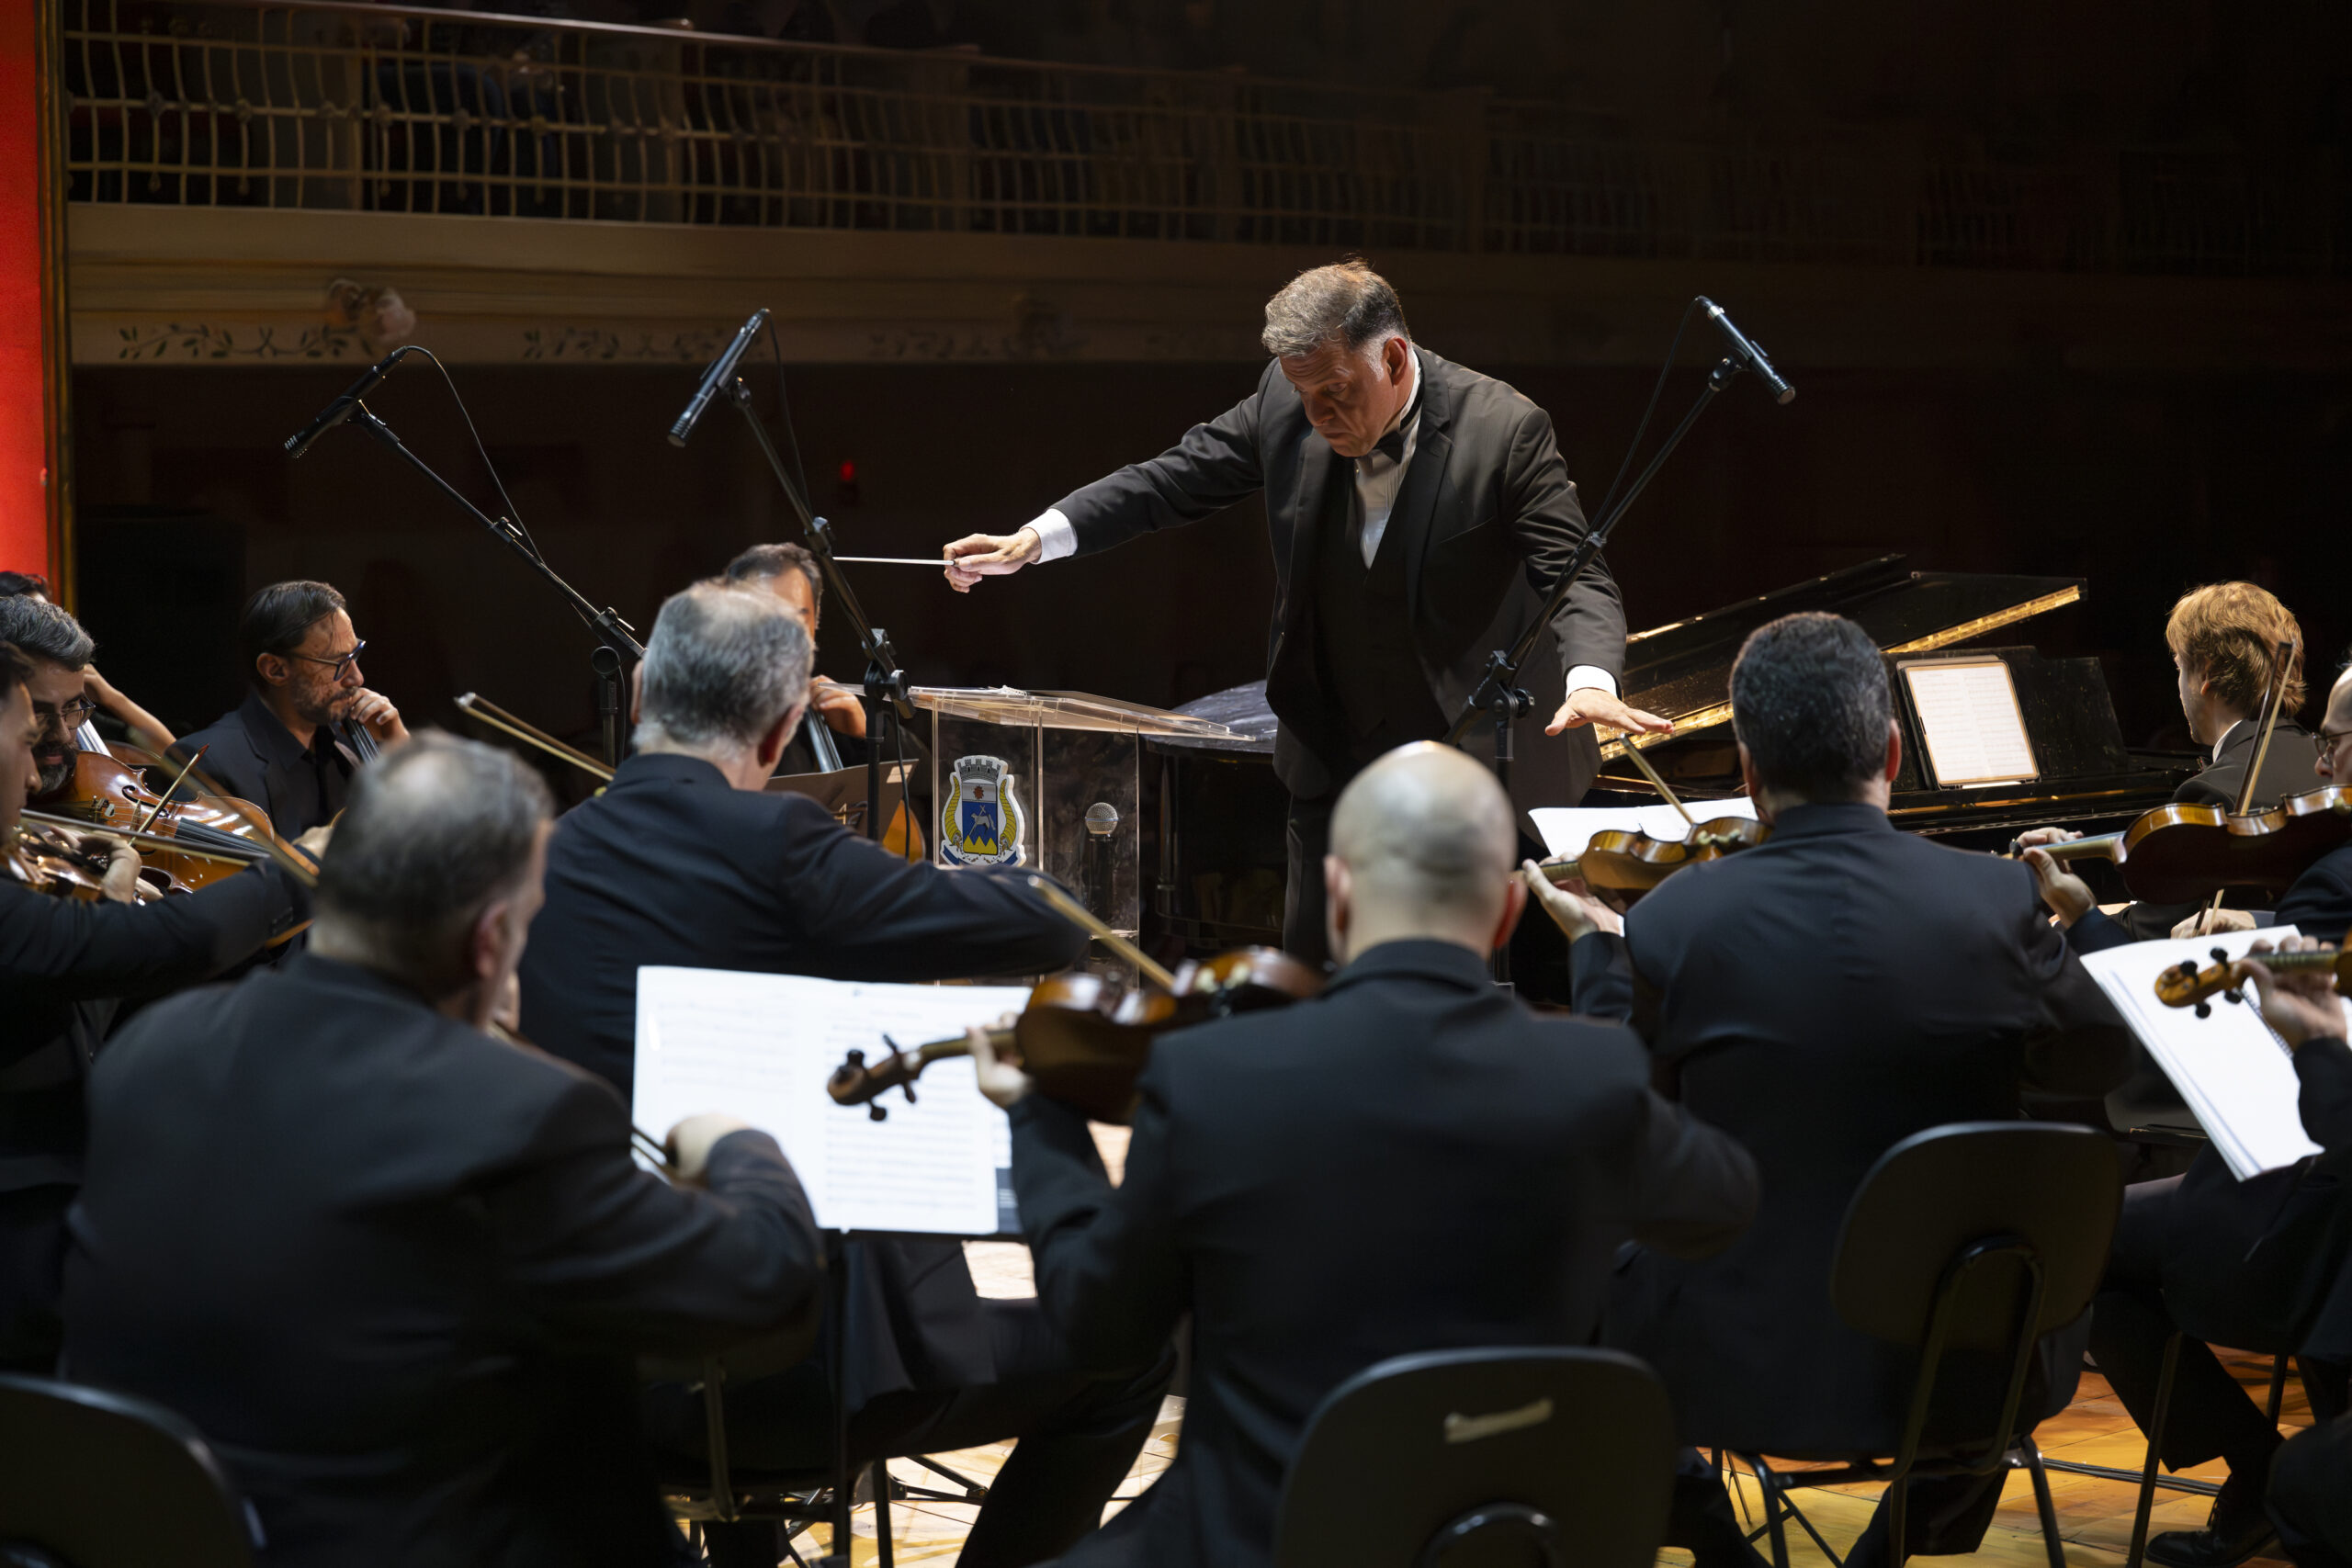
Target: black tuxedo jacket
2286,770
393,1269
63,962
1284,1163
1820,997
1487,516
2318,904
670,865
250,754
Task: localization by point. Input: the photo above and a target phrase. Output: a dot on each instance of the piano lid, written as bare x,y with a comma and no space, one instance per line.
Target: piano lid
1683,670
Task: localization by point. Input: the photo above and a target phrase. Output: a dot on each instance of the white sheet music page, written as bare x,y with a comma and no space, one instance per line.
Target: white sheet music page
1567,829
761,1047
1968,712
2233,1072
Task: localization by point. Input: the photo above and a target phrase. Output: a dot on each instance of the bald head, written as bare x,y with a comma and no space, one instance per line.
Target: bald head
1421,846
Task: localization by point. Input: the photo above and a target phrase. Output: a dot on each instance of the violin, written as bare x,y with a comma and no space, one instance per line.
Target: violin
108,795
1632,862
2185,984
2180,853
1085,1039
50,861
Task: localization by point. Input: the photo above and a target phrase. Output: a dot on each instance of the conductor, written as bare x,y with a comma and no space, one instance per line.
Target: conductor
1419,513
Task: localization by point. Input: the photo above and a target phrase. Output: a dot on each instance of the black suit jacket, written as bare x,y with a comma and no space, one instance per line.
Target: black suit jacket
1283,1164
670,865
1820,997
249,753
1487,516
2318,904
393,1269
63,962
2286,770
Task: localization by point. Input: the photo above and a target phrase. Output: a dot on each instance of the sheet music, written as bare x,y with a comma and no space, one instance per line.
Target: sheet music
2233,1072
1568,830
761,1047
1969,716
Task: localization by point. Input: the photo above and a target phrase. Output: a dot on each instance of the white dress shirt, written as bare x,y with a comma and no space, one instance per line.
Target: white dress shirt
1377,482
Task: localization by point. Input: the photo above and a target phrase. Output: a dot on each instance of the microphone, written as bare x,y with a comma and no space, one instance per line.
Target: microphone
342,408
1749,353
722,371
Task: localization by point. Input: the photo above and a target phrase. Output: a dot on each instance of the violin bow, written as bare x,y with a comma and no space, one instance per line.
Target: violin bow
1078,915
163,798
2272,703
1659,784
482,711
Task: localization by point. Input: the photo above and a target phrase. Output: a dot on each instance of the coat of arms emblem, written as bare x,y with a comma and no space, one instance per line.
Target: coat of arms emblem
982,823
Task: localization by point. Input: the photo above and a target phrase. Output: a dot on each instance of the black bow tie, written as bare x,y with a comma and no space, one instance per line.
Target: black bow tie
1392,446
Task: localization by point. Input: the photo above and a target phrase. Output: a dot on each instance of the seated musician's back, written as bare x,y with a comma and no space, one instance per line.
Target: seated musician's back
1412,1161
1822,997
393,1267
686,860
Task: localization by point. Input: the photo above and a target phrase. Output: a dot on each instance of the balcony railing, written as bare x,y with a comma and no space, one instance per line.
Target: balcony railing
240,103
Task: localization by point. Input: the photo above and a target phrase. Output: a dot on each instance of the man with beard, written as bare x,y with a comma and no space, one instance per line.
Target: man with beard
64,965
308,721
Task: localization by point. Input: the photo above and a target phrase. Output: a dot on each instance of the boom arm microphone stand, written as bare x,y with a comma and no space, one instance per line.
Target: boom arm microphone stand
613,635
887,700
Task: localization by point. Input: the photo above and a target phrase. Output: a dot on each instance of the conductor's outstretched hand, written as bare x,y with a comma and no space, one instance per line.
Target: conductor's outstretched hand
1590,704
975,556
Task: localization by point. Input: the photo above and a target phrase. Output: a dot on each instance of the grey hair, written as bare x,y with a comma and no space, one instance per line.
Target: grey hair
43,630
1809,700
435,831
1347,303
1427,829
724,663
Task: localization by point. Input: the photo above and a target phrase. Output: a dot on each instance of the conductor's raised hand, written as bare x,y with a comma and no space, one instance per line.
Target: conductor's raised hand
2299,1004
1590,704
1005,1085
975,556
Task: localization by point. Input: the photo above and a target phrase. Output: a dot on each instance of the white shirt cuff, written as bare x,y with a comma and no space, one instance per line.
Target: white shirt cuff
1580,677
1056,538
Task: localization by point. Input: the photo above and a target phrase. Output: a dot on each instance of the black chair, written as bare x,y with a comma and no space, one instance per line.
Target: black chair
1570,1452
1966,1244
90,1479
729,1494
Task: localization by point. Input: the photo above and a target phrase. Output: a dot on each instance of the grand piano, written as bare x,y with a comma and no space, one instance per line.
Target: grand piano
1214,825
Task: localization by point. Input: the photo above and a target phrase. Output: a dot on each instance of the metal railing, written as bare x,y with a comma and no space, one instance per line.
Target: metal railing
242,103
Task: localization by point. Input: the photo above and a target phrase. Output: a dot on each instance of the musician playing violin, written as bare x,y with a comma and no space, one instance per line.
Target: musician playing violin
2224,639
2319,904
790,573
65,965
309,719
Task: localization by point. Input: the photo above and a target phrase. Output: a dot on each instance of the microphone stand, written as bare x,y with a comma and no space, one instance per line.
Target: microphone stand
613,634
887,702
1498,695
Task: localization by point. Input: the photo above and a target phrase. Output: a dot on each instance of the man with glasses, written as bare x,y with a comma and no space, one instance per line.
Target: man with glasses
99,695
309,720
66,966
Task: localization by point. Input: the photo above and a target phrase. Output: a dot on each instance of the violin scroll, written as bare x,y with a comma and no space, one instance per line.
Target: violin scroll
2183,985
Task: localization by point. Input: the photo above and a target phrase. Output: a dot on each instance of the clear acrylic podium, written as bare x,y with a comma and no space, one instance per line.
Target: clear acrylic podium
1072,768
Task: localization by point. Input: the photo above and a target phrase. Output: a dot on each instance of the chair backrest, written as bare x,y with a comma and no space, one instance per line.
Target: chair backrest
1419,1453
98,1480
2056,1189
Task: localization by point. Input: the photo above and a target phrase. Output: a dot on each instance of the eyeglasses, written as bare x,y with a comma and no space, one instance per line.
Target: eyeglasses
72,713
2325,741
339,664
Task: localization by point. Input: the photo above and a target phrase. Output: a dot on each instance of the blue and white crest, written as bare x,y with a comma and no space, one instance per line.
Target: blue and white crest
982,822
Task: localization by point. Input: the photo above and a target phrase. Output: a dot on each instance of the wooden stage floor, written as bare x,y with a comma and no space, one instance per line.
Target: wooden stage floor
2094,1514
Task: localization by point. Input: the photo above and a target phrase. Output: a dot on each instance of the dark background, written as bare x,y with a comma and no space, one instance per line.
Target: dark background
2142,485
